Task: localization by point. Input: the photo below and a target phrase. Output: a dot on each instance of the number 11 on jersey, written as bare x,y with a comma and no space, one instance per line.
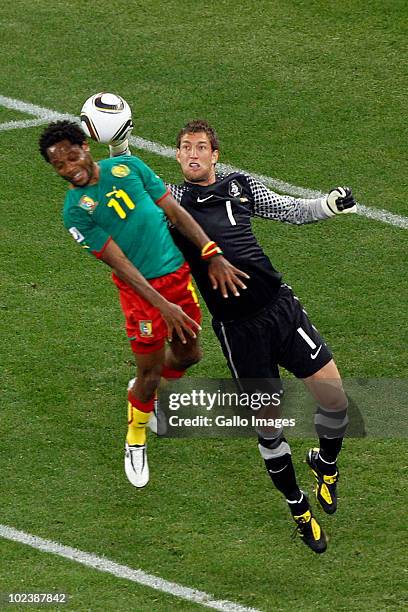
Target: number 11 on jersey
116,205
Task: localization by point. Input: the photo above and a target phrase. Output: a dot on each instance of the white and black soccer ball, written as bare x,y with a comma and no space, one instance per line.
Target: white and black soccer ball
106,117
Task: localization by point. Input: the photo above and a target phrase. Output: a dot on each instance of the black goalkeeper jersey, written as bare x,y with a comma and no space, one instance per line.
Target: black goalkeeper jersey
224,211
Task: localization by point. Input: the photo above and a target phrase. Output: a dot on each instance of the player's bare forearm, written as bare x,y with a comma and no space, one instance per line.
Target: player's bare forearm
183,221
115,258
223,275
177,321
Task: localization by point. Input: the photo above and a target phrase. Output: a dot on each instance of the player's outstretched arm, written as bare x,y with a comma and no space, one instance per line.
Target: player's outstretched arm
176,319
298,211
223,275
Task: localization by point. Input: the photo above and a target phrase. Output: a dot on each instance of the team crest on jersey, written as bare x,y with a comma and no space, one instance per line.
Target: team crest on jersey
146,329
120,171
88,204
234,189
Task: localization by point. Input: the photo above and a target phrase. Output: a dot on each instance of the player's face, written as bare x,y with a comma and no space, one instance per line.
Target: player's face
73,163
197,158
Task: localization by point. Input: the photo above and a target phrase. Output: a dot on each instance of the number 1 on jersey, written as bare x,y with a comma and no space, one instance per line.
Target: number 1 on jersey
229,212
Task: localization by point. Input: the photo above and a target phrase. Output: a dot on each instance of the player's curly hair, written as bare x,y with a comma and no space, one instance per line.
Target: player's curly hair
199,125
57,131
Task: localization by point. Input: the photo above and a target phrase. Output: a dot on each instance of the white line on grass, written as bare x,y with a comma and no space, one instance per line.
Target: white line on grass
45,115
122,571
25,123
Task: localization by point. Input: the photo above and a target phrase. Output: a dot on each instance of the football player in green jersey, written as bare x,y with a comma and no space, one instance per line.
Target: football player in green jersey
116,209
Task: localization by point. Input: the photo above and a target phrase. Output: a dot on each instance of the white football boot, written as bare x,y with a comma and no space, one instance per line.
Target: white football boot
136,466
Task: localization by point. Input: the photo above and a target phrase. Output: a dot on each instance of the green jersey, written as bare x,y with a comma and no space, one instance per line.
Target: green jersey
122,206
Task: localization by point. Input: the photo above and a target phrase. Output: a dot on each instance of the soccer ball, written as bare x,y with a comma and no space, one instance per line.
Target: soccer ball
106,117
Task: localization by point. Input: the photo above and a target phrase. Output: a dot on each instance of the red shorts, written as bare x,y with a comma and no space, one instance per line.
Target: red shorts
146,329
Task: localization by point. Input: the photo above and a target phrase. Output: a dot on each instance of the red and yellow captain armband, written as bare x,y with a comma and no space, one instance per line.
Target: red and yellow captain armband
211,249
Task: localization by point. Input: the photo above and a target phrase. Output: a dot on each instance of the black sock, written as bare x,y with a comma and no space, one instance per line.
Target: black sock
326,459
282,474
330,448
278,462
331,427
298,505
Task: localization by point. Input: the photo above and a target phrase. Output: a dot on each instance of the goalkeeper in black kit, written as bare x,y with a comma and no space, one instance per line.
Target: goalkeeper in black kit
265,327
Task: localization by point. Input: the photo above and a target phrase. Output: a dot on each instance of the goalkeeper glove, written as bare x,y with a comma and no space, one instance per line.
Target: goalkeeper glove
340,201
121,147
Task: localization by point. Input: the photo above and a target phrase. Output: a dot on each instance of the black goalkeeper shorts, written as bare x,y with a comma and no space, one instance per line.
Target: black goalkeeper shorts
281,334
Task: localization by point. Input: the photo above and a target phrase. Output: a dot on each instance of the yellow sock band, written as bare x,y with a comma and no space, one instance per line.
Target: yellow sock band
137,421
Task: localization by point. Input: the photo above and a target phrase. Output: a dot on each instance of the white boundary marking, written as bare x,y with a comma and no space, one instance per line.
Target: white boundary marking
122,571
44,115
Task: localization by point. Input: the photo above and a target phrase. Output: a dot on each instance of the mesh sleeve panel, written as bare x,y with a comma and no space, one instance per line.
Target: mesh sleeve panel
271,205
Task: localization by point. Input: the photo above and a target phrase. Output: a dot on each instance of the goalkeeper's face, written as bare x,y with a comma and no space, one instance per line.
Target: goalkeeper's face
73,163
197,158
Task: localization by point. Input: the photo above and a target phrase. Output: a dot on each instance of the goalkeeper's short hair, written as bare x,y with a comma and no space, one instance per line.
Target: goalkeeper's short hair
199,125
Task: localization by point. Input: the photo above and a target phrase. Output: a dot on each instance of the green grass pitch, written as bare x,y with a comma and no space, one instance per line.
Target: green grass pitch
312,93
